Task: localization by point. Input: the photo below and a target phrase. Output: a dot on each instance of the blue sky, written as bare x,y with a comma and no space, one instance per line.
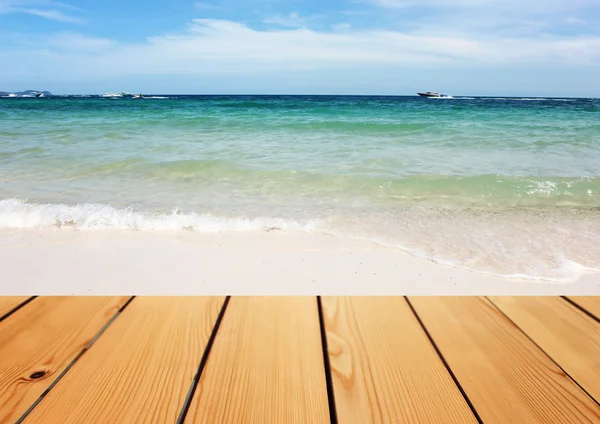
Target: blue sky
462,47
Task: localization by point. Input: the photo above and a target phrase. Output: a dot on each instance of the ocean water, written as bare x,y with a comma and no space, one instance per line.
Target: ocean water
503,186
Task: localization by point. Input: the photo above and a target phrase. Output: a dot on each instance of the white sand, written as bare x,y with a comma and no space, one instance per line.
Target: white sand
101,262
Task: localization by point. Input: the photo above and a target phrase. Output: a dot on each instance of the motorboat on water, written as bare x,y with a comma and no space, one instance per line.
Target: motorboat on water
138,96
119,95
430,94
435,94
28,93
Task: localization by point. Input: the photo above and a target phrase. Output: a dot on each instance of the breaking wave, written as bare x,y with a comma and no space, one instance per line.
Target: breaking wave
473,242
15,213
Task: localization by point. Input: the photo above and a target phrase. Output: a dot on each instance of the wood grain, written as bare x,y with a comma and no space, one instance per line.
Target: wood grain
140,370
507,378
589,303
8,303
384,368
266,365
45,336
565,333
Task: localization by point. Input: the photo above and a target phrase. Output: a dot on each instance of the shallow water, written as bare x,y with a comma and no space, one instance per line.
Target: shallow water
507,186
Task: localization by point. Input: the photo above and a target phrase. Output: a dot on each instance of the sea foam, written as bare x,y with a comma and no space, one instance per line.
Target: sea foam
19,214
16,213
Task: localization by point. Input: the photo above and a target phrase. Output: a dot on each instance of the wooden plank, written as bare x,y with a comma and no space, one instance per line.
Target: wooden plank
8,303
506,377
589,303
384,369
140,370
565,333
44,337
266,365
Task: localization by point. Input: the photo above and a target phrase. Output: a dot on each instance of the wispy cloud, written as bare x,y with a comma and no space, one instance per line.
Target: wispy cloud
78,42
55,15
227,47
227,55
489,18
46,9
292,20
572,20
342,27
206,6
516,6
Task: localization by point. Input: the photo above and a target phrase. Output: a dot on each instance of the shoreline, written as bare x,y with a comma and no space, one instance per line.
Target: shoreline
106,262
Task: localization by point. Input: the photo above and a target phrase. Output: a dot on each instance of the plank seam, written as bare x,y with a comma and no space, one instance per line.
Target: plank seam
327,365
190,395
542,350
581,308
438,351
79,355
16,308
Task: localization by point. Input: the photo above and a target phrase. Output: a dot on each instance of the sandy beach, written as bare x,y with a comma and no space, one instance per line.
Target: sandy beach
357,212
70,262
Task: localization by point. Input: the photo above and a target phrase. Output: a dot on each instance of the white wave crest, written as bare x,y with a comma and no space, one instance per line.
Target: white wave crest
19,214
15,213
528,99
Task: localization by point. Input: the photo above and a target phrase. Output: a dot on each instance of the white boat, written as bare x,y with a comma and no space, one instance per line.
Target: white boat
116,95
432,94
27,93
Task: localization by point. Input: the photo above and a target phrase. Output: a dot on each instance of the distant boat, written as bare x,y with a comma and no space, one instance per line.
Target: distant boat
26,93
116,95
138,96
430,94
30,93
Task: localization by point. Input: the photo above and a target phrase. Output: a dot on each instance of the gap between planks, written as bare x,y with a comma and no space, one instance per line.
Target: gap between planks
40,340
142,367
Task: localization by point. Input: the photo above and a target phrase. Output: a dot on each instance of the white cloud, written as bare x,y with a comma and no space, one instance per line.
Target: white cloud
59,4
222,48
55,15
490,19
342,27
572,20
209,39
354,12
516,6
293,20
43,8
74,41
204,5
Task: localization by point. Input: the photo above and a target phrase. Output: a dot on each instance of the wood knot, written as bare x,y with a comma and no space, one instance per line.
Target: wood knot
37,374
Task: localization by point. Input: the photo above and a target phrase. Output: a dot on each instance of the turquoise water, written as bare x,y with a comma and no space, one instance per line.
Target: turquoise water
498,185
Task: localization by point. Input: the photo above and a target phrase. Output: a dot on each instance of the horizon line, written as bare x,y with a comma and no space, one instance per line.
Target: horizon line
313,95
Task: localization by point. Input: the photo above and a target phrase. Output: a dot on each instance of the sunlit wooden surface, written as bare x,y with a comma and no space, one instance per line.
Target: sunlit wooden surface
299,360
